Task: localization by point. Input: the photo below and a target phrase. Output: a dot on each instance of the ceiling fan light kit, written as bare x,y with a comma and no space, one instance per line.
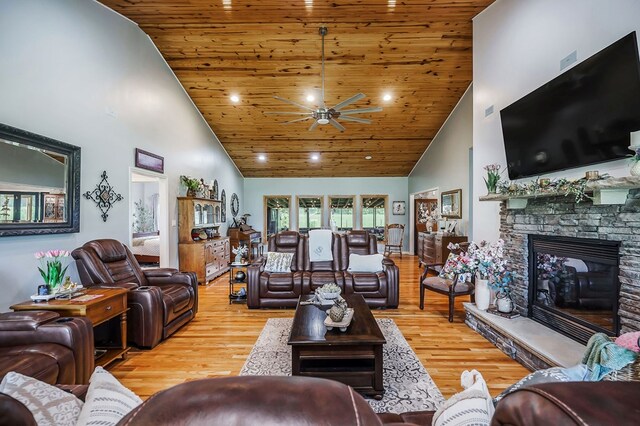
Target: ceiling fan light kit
323,115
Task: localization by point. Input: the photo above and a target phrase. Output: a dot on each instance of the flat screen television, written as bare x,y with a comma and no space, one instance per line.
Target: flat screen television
583,116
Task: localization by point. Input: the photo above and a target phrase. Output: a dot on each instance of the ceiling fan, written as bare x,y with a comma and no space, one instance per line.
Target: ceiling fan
323,115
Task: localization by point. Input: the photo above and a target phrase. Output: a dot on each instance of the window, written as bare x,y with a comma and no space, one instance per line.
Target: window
277,212
342,212
309,213
19,207
374,214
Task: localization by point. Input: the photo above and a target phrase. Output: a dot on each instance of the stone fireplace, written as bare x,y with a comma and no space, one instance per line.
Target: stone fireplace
597,250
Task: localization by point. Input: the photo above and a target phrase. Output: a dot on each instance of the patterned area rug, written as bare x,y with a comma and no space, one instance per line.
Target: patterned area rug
408,386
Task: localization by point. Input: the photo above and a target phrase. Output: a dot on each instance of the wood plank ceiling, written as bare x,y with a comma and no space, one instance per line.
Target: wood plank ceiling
417,51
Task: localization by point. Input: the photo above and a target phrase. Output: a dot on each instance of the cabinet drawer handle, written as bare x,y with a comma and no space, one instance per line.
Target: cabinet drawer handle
108,308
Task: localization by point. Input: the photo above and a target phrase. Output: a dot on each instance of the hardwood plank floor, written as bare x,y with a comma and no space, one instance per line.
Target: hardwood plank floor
217,342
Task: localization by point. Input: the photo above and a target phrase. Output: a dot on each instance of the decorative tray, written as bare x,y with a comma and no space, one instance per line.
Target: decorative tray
65,294
342,325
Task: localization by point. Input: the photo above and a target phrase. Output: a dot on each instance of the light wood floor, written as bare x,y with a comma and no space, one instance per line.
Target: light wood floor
217,342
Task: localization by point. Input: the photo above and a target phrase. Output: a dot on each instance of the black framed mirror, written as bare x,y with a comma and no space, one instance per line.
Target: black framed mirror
39,184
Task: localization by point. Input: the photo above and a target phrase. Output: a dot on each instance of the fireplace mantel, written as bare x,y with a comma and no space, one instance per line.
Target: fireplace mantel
609,191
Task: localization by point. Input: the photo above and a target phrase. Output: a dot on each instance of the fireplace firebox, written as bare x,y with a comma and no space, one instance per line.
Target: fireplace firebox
574,285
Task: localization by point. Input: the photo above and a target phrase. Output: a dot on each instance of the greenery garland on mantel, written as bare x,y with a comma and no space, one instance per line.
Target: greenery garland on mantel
546,187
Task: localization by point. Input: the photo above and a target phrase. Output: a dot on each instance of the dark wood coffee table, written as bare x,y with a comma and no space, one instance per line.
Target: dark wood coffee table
353,357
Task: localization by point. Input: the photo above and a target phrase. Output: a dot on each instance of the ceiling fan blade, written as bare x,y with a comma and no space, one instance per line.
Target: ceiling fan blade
296,120
314,125
360,111
351,100
357,120
294,103
286,113
337,125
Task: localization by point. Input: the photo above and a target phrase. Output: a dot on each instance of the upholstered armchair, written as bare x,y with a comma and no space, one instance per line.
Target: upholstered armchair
160,300
281,289
379,289
43,345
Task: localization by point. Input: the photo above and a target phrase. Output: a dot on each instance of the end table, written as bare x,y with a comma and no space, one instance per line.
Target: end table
234,268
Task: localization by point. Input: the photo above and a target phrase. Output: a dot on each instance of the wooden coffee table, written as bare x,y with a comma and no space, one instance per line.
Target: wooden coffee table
353,357
99,304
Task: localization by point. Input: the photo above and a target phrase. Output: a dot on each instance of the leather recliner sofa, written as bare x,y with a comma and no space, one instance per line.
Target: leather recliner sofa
43,345
272,400
160,300
277,290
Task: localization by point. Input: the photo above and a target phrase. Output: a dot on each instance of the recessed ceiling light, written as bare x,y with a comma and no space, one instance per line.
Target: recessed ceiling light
235,99
315,157
368,157
386,97
262,157
311,98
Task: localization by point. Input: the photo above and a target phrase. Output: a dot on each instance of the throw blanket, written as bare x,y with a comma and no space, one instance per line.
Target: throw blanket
603,356
320,245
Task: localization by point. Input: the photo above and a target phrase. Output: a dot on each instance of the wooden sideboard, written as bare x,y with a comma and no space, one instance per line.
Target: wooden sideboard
432,248
200,247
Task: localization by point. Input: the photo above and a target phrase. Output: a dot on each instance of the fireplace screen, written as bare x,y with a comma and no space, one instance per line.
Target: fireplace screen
574,285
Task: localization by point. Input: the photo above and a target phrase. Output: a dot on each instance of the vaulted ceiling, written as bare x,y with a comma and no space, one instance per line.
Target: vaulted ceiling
419,52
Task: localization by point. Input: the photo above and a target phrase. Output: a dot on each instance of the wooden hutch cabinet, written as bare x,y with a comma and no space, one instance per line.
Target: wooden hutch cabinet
432,248
201,249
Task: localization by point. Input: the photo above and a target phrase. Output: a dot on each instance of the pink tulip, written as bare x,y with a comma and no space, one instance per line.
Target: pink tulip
39,254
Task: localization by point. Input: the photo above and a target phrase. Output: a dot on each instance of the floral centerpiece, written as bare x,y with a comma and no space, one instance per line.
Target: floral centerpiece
51,267
241,251
493,177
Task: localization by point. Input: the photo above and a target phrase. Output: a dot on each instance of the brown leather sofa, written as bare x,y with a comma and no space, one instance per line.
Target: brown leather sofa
277,290
43,345
273,400
160,300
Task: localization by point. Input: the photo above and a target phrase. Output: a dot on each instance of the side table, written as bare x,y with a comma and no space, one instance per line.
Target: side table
99,304
234,268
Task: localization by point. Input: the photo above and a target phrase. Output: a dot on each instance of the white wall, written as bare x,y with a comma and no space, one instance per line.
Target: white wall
517,47
75,71
445,163
256,188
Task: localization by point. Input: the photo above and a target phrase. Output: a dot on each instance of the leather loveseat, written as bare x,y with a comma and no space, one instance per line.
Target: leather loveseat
272,400
277,290
43,345
160,300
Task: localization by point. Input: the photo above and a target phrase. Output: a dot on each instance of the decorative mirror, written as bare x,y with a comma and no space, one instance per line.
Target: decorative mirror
39,184
223,212
451,204
235,205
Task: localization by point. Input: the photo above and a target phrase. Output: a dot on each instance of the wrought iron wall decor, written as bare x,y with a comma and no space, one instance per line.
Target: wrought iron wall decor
235,205
104,196
214,193
223,199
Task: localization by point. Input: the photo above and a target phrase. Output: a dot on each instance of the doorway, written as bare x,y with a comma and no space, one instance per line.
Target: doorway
148,217
423,204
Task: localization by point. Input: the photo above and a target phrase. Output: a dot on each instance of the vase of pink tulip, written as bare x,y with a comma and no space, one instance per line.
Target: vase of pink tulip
51,268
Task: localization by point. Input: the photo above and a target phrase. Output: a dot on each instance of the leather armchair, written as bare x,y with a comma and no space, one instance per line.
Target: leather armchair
274,290
43,345
379,289
160,300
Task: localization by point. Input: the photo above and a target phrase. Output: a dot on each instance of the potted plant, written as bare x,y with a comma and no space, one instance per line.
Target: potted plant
192,184
241,251
635,160
501,284
51,268
493,177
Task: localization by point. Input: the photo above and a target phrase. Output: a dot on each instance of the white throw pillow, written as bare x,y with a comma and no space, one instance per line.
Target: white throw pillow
365,263
49,405
278,262
107,401
473,406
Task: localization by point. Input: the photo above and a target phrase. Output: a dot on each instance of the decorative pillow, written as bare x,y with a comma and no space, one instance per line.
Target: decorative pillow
629,341
107,401
447,270
365,263
49,405
473,406
555,374
278,262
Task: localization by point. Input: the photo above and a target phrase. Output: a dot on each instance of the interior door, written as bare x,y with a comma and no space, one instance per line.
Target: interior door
423,208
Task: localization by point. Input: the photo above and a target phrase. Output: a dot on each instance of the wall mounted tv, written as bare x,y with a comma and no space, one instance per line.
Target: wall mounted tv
584,116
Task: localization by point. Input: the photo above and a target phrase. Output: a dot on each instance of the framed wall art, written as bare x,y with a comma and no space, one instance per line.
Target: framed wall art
149,161
399,208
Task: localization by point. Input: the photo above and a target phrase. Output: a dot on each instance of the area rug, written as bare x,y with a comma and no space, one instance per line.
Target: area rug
408,386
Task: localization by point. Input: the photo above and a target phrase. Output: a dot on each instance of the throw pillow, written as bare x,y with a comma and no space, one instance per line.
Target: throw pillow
447,270
107,401
473,406
49,405
365,263
629,341
278,262
554,374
